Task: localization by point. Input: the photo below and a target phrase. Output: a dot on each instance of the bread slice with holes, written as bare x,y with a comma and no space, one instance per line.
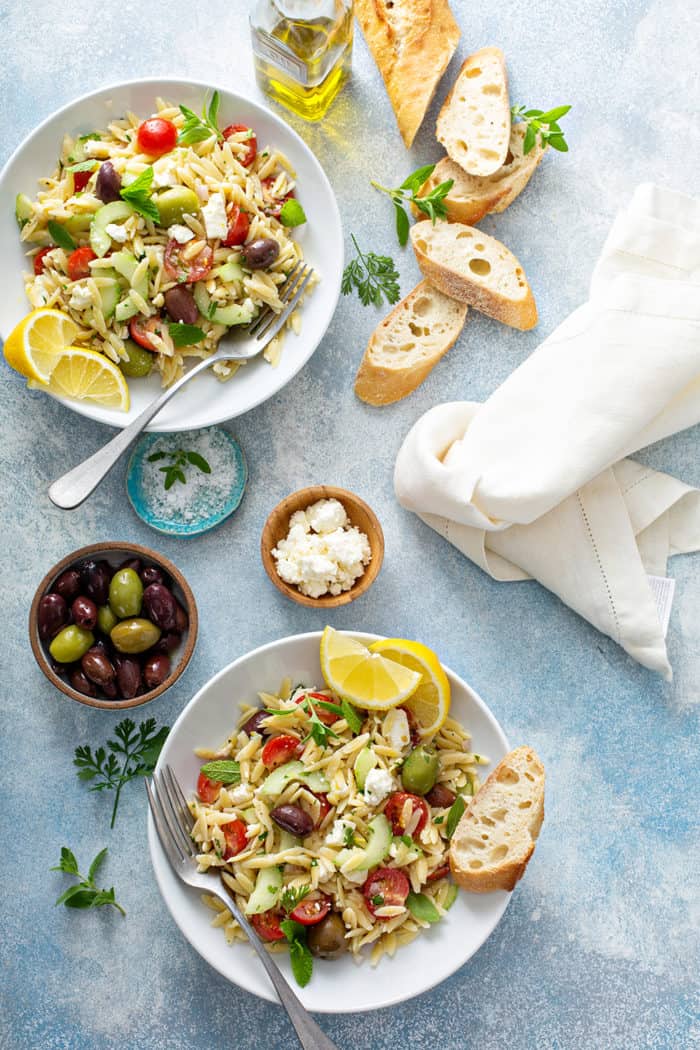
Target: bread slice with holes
474,123
495,838
412,42
407,344
473,196
468,265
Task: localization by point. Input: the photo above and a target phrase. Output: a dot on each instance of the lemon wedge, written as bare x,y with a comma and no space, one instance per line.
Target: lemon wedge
366,679
86,376
430,702
33,346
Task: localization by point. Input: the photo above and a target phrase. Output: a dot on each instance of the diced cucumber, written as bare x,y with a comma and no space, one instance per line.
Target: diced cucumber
315,781
451,896
374,852
77,224
365,761
279,778
116,211
109,294
125,309
227,315
23,209
126,263
229,271
288,841
268,887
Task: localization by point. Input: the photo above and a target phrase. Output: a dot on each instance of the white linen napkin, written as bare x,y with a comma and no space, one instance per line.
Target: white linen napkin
535,482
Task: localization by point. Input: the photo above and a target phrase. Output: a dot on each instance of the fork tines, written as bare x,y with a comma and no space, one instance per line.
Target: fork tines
171,816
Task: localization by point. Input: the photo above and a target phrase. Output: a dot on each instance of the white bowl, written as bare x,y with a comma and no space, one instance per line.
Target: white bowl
205,401
338,986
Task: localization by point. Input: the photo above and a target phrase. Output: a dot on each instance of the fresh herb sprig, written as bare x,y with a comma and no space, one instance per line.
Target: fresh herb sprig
543,124
138,195
133,753
198,129
319,731
421,907
432,204
294,895
185,334
372,276
61,236
175,470
84,893
455,815
224,770
300,956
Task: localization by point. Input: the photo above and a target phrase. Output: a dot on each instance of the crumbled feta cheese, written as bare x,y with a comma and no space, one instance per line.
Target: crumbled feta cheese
326,869
215,218
326,515
181,234
240,794
358,877
164,175
336,836
116,231
378,784
80,298
95,148
202,190
396,729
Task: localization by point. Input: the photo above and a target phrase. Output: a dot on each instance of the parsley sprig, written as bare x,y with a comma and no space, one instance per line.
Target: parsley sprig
543,124
294,895
432,204
198,129
175,470
138,195
84,893
373,276
134,753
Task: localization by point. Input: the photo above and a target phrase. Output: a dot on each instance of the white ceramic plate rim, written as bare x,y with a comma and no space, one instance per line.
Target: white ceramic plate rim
326,295
237,973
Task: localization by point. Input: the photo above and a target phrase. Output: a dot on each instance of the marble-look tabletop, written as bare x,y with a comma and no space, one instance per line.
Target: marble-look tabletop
599,947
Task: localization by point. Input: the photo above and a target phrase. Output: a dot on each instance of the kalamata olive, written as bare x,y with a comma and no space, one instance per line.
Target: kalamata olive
253,723
59,669
260,254
181,619
160,606
293,819
51,616
95,576
168,643
108,183
156,669
134,636
180,304
326,939
419,771
128,676
80,681
440,796
97,666
132,563
68,585
84,612
152,574
109,688
125,593
106,619
70,643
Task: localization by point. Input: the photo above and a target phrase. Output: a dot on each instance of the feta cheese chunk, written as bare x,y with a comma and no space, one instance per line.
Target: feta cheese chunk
181,234
80,297
215,218
336,836
378,784
396,729
116,231
326,869
326,515
240,794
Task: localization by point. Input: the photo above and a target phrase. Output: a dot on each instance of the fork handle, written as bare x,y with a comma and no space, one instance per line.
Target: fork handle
308,1032
75,486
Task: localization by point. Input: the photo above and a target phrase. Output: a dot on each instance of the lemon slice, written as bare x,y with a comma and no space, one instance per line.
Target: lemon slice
366,679
86,376
430,702
33,346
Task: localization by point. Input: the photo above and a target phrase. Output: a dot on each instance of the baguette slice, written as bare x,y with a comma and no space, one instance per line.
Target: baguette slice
495,838
473,196
477,269
407,344
412,42
474,123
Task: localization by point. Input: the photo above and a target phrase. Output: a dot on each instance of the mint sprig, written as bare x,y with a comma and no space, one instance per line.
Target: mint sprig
176,469
138,195
544,124
455,815
84,894
432,204
299,955
223,770
421,907
199,129
61,236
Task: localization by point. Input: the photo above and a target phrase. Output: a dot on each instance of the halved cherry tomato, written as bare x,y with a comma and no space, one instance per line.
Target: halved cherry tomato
80,180
78,263
273,205
413,727
312,909
394,809
156,136
252,143
236,838
440,873
324,808
186,270
281,749
386,887
208,790
39,259
327,717
140,327
238,226
267,925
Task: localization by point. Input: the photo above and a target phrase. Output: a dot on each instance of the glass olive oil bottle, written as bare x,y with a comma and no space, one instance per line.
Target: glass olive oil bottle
302,51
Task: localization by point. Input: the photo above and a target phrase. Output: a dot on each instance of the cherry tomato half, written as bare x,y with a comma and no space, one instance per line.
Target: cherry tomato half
156,136
236,837
208,790
327,717
281,749
312,909
252,143
80,180
267,925
238,226
186,270
78,263
141,327
394,809
324,808
440,873
273,205
386,887
39,259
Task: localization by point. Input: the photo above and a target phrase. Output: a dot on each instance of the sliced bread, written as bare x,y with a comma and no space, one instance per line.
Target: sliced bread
474,123
412,42
407,344
477,269
473,196
495,838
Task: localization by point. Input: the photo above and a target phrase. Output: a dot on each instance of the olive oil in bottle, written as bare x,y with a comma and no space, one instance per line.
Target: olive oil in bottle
302,51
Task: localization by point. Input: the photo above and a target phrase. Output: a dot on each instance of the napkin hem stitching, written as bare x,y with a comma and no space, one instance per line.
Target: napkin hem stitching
644,477
600,566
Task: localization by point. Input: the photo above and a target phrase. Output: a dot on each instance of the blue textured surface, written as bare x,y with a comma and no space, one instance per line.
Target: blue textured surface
599,947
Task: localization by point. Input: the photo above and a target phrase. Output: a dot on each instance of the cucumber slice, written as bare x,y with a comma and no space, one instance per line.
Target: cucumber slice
23,209
277,781
375,851
227,315
288,841
365,761
125,263
230,271
315,781
125,310
77,224
266,893
451,896
117,211
109,294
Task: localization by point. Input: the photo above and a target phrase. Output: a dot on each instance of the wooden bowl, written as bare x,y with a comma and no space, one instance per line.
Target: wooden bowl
115,553
277,527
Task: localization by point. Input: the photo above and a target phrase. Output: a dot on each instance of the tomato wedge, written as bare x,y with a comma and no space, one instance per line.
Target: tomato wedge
236,838
39,259
273,205
208,790
238,226
440,873
184,269
156,136
281,749
394,812
386,887
252,142
312,909
78,263
267,925
80,180
140,328
327,717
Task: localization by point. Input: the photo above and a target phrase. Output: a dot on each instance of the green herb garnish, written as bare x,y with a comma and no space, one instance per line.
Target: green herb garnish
438,820
294,895
373,276
344,710
222,770
299,955
455,815
138,195
349,837
84,165
198,129
61,236
543,124
89,135
292,213
175,470
185,334
84,894
432,204
377,900
421,907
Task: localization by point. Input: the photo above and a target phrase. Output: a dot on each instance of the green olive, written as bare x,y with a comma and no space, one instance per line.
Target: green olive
175,203
106,619
70,644
420,770
125,594
138,361
134,636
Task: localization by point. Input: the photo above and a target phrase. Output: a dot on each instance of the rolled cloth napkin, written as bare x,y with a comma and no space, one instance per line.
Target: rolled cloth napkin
536,483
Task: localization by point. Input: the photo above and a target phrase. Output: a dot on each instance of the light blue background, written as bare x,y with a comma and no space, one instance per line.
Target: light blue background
599,946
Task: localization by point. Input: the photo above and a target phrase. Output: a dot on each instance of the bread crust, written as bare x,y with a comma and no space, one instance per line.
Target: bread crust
412,42
470,157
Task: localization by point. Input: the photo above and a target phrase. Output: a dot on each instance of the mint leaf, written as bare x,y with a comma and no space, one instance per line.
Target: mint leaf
421,907
455,815
95,866
67,863
299,955
223,770
138,195
351,716
61,236
185,334
417,178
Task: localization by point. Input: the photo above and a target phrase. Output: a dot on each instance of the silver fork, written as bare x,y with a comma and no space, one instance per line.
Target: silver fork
75,486
174,823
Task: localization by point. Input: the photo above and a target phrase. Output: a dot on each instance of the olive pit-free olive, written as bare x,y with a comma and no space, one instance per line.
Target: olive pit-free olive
70,644
138,362
125,594
176,202
106,619
419,771
135,635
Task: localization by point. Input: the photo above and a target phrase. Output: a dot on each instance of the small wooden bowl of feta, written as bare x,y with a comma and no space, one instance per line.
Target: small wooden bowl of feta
322,546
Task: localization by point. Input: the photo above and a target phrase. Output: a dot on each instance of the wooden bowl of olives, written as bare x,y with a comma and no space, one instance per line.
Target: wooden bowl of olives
113,625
